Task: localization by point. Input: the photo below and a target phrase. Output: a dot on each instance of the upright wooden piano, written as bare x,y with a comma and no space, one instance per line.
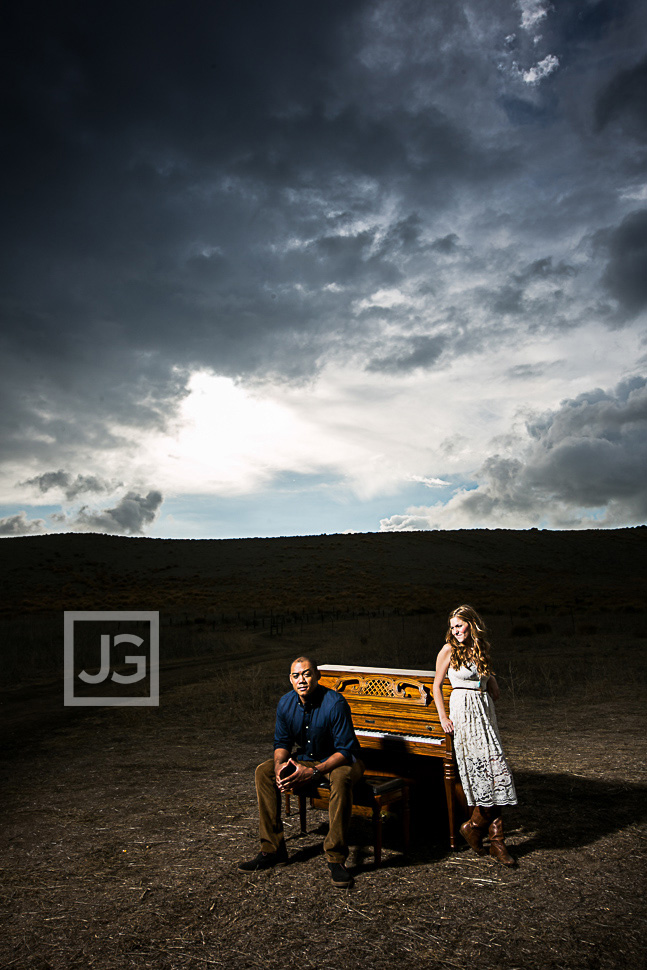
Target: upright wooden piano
397,724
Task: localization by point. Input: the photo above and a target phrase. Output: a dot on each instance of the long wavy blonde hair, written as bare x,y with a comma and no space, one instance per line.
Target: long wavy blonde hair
476,649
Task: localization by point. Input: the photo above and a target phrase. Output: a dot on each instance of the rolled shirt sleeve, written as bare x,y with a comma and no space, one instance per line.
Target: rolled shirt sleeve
283,729
343,732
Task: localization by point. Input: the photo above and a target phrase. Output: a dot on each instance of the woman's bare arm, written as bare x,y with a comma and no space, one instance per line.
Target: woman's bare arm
442,666
493,688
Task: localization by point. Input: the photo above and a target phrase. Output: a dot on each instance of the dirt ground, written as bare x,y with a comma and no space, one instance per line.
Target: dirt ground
123,828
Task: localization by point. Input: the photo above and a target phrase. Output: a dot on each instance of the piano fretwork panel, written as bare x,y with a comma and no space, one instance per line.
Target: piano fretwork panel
395,702
393,711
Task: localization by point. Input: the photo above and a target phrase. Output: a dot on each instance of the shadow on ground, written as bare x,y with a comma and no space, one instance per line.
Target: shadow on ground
556,811
564,811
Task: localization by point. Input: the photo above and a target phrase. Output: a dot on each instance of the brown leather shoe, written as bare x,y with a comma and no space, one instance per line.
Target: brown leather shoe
497,845
473,831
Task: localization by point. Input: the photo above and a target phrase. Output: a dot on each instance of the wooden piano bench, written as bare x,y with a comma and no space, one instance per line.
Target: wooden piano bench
371,796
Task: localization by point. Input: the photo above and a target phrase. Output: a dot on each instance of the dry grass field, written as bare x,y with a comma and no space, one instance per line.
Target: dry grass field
123,826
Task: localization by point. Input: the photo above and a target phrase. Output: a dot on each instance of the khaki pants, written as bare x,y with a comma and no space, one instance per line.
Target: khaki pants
341,780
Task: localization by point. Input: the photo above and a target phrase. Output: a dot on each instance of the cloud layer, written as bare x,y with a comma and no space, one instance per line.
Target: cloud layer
278,193
580,465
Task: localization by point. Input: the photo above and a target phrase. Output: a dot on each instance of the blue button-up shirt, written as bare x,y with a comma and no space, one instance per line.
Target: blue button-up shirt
319,727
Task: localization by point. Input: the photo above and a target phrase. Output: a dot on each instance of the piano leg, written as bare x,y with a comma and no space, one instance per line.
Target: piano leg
377,834
450,781
303,808
405,818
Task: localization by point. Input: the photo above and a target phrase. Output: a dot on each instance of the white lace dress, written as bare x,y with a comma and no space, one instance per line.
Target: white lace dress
484,774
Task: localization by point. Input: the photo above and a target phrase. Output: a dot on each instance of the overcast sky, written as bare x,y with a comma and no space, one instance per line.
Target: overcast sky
280,267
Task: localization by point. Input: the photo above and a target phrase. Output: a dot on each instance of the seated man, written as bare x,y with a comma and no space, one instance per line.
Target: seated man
318,721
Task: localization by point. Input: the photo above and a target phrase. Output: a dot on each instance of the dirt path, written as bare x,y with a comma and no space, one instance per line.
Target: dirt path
30,712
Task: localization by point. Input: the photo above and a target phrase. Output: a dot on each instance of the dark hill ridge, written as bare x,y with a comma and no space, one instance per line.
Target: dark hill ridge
497,570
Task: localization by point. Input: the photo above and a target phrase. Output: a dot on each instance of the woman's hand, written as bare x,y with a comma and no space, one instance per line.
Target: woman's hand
447,725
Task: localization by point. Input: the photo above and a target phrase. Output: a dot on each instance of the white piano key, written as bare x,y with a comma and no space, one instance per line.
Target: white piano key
418,739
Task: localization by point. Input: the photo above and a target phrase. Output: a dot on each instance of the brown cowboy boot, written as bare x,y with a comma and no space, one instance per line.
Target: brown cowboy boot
473,831
497,845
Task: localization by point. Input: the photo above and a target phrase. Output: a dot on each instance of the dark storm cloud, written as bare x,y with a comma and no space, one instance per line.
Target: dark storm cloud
590,454
448,244
626,274
593,451
404,236
160,160
624,99
69,485
129,517
20,525
544,269
527,371
48,480
51,408
419,352
540,297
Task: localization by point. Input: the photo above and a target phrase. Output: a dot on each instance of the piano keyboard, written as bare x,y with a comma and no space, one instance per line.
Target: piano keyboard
415,738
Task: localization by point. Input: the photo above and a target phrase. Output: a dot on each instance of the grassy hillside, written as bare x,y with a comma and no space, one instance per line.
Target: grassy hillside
498,570
363,595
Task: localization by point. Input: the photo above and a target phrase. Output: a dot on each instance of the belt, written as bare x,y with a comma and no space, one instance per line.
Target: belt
481,690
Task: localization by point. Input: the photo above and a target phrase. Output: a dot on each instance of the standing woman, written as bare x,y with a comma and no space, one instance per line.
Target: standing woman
484,774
